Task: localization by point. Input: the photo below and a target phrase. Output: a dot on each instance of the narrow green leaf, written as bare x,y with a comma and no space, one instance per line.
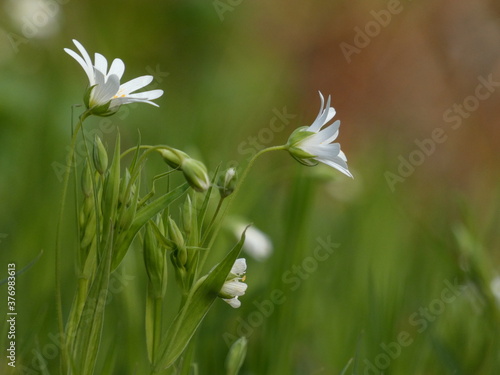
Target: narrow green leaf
346,367
201,298
111,193
204,206
136,153
153,322
141,218
88,336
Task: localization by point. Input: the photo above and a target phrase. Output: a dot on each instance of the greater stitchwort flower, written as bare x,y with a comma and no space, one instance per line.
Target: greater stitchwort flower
105,94
234,286
312,144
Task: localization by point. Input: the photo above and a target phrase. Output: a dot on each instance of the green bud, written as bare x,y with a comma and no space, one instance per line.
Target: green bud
236,356
175,233
227,182
124,183
196,174
100,156
173,157
178,239
89,230
187,215
86,181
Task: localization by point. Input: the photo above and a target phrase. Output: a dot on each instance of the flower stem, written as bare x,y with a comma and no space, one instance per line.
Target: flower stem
69,163
237,189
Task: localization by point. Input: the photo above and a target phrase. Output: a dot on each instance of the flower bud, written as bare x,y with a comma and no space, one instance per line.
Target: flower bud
227,183
175,233
86,181
188,215
178,239
196,174
236,356
173,157
100,156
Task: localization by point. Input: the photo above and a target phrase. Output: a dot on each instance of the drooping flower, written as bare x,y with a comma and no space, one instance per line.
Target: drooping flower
234,286
105,94
311,145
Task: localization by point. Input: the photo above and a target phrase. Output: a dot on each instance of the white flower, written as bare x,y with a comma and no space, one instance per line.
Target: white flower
106,94
312,144
233,286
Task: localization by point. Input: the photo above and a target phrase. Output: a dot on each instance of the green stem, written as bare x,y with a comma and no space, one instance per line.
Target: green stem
237,189
69,160
157,327
210,225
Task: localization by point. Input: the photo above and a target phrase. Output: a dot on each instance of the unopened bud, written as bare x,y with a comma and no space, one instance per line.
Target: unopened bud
178,239
100,156
188,215
196,174
173,157
86,181
236,356
175,233
227,182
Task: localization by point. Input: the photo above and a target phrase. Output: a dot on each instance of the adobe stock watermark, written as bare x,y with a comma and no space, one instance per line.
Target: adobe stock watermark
454,117
105,126
264,137
41,18
51,350
421,320
363,36
223,6
292,279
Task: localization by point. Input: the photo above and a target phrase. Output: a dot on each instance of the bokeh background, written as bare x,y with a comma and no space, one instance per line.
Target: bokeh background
412,286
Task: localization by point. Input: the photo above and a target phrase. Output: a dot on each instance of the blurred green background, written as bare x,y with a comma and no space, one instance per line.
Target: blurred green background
412,286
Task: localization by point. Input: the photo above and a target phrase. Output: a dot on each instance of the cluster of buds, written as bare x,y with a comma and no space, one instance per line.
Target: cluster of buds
194,171
87,220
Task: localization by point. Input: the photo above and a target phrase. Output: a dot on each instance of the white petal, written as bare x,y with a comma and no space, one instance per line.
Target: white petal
117,68
331,113
127,100
89,70
316,125
342,156
327,134
103,92
135,84
326,151
233,288
83,51
239,266
101,63
338,164
321,120
233,302
147,95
